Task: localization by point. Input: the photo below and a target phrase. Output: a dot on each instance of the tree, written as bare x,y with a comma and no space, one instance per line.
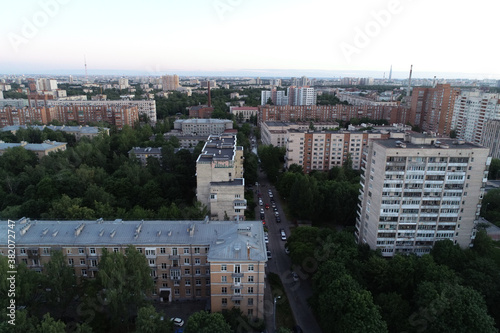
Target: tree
204,322
450,308
49,325
494,170
61,280
150,321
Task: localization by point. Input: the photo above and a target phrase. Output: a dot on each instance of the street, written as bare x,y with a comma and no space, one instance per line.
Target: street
297,292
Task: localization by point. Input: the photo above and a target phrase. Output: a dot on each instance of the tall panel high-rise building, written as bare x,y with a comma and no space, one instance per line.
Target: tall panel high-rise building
170,82
472,111
419,191
432,108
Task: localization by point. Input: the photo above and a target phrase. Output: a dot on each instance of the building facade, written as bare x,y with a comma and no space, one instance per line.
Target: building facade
315,150
419,191
432,108
78,131
219,178
142,154
472,111
491,137
223,262
393,114
204,127
243,112
170,82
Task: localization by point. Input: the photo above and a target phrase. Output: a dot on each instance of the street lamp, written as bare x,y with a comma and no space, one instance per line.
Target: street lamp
274,312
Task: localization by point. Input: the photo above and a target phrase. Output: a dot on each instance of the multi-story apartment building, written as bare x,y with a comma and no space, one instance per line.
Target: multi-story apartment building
203,127
393,114
276,132
144,107
78,131
472,111
170,82
315,150
115,115
419,191
223,262
219,178
123,83
40,149
293,96
245,112
361,100
491,137
432,108
278,97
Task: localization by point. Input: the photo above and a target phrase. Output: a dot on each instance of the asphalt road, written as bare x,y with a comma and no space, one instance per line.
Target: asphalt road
296,292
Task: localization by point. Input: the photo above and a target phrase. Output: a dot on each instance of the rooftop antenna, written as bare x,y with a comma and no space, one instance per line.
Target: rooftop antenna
409,82
86,74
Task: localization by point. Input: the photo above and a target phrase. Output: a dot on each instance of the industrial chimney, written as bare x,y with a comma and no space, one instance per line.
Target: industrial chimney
409,82
209,99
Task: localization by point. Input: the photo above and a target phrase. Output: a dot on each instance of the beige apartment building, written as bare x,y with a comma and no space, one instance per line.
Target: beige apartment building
203,127
323,150
219,177
276,132
418,191
223,262
491,137
245,112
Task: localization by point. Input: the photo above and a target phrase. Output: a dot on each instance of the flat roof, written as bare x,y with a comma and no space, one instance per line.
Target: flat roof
221,147
228,240
452,144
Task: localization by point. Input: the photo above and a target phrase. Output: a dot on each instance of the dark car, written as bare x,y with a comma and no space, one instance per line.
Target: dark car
278,219
262,217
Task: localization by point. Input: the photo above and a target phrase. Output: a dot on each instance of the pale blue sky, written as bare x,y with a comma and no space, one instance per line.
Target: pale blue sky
219,35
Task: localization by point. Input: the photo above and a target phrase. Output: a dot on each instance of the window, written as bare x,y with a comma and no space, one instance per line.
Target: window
223,268
186,250
250,290
198,282
84,272
224,302
237,302
151,262
71,261
207,281
46,250
197,271
237,291
150,252
213,196
186,271
92,250
224,290
176,292
22,250
81,250
197,261
82,261
188,282
196,250
162,250
237,280
186,261
250,278
188,292
93,263
115,250
223,278
250,301
207,271
237,269
163,265
250,312
174,251
250,267
164,276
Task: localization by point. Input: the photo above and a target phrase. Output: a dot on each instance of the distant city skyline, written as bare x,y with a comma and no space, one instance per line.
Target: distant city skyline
250,38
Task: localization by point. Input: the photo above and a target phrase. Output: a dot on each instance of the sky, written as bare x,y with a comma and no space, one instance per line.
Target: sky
256,37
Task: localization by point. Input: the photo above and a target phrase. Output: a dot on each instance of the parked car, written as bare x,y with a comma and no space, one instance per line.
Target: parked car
262,210
269,255
276,213
262,217
295,277
287,251
283,235
278,219
267,206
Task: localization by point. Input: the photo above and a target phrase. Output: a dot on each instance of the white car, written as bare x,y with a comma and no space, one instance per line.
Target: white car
283,236
262,210
266,239
177,322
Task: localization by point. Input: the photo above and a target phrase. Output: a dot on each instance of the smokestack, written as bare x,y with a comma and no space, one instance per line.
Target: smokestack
209,99
390,74
434,82
409,82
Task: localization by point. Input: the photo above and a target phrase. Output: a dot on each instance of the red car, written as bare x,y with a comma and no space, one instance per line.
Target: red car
267,206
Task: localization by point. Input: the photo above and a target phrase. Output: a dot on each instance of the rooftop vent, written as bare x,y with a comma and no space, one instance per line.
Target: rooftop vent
25,228
79,229
44,232
101,232
112,233
54,234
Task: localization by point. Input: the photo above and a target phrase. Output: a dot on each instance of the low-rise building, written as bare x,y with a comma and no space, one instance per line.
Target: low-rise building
204,127
223,262
40,149
142,154
78,131
244,112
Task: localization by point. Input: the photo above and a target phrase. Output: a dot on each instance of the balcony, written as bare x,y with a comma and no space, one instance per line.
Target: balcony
236,275
174,257
237,298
